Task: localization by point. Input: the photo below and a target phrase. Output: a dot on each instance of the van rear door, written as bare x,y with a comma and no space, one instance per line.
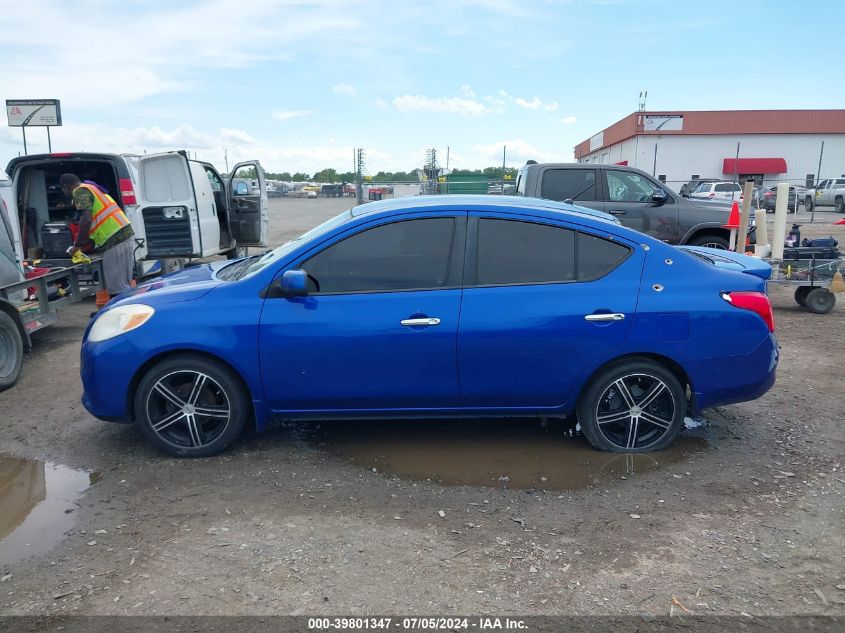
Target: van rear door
248,218
168,206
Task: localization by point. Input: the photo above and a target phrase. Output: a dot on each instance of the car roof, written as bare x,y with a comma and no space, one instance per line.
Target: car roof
477,202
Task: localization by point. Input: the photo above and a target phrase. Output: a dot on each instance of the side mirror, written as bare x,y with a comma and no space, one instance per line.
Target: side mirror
294,283
659,196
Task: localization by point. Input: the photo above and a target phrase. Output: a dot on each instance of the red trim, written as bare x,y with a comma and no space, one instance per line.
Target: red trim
621,162
754,166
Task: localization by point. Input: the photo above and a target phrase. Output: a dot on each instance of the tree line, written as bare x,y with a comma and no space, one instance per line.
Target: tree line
332,175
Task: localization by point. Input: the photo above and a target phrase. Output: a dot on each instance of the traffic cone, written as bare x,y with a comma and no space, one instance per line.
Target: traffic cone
837,285
842,221
733,225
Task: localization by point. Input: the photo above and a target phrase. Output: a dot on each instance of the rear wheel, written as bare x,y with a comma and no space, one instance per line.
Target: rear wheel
801,295
11,351
710,241
191,406
820,300
634,406
809,204
840,204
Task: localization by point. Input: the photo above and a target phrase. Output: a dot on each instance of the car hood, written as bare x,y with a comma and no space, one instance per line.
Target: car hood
728,260
184,285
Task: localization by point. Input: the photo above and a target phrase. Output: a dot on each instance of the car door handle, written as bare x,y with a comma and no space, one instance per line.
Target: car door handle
618,212
613,316
421,322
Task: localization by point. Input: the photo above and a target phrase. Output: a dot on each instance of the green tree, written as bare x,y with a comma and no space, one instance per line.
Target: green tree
300,177
326,175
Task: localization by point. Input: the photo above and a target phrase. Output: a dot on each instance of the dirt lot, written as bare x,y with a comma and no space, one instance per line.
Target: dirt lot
744,515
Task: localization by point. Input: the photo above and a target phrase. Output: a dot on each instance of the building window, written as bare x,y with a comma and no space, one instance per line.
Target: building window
811,179
695,177
662,177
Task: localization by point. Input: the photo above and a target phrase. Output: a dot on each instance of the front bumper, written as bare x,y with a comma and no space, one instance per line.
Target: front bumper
107,369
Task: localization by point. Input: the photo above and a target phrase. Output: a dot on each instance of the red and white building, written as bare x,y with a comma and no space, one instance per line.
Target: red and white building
679,146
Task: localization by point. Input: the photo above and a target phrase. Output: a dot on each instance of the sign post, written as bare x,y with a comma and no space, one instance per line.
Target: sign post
24,113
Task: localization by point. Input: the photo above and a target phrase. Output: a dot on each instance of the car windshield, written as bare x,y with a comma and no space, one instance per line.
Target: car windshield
247,267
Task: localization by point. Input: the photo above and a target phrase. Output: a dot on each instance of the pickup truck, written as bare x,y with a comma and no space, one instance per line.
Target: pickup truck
638,200
828,193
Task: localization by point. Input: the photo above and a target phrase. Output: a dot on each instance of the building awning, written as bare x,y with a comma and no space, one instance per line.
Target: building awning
621,162
754,166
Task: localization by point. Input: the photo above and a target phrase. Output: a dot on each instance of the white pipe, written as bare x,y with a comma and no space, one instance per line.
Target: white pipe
762,228
779,231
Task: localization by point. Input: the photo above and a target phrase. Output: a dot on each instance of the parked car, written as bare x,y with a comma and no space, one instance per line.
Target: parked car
692,185
178,207
638,200
731,191
541,308
828,193
797,194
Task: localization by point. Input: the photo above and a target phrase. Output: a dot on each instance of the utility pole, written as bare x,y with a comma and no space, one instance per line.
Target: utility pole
431,171
359,175
643,97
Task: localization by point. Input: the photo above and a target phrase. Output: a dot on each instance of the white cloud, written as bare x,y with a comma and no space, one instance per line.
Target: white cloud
380,103
467,91
535,104
452,105
569,120
284,115
345,89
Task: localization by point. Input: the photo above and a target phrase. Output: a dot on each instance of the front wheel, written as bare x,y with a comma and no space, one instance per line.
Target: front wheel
809,204
11,351
633,406
191,406
840,205
710,241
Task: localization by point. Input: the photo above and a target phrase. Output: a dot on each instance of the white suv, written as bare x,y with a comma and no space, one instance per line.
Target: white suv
718,191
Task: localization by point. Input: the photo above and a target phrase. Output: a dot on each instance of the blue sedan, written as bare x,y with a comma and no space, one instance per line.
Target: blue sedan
450,306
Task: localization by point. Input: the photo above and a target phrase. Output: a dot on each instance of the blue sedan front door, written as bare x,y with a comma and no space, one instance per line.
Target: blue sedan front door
377,332
542,303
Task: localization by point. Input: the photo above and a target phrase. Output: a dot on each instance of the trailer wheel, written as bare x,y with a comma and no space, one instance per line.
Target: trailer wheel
11,352
820,300
801,295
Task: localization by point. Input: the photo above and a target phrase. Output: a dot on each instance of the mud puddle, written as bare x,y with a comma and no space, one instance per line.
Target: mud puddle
503,454
36,502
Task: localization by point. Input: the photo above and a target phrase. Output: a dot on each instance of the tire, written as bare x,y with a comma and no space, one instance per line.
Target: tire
170,396
809,204
11,351
644,381
801,295
710,240
839,204
820,300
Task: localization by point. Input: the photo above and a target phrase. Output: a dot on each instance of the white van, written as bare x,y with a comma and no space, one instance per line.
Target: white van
179,208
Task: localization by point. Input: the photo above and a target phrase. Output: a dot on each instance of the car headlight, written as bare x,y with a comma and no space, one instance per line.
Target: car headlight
119,320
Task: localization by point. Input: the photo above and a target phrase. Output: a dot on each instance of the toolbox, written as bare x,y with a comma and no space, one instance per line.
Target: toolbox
56,239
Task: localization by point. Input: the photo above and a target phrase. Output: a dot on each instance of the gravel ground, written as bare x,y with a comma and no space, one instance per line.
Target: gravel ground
746,516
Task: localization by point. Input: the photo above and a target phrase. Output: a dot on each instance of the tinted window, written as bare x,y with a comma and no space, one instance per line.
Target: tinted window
623,186
597,256
841,181
703,188
398,256
511,252
724,186
563,184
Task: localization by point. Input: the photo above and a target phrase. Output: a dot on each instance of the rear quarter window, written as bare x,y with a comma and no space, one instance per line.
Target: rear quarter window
598,257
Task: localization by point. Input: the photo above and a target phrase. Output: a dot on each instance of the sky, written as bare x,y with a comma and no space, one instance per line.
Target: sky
299,84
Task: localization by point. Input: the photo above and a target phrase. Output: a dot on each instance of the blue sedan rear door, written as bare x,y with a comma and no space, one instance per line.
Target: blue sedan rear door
543,303
377,332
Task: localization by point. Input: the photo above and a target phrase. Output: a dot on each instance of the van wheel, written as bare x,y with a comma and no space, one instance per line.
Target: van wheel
191,406
710,241
11,352
633,406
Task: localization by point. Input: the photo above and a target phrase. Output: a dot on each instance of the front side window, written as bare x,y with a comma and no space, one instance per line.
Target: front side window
569,184
512,252
703,188
623,186
412,254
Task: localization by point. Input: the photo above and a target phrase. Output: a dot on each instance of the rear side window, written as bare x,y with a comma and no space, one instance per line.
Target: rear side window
840,182
512,252
563,184
598,256
413,254
724,186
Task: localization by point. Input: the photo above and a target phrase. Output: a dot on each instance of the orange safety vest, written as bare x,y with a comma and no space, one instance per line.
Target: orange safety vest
107,218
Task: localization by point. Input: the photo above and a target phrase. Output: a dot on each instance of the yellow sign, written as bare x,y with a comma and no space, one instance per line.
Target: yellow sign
508,177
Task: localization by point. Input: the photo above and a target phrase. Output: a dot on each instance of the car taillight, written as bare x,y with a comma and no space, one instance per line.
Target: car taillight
712,195
127,191
756,302
768,194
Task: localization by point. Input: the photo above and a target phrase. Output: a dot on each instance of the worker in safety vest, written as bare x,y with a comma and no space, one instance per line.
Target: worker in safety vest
103,222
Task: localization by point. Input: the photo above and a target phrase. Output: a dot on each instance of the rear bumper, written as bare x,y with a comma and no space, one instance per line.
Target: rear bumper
732,379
